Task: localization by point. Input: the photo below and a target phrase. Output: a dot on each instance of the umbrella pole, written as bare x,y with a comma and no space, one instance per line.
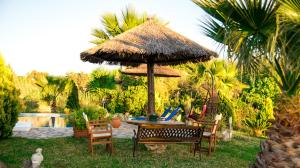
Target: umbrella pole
151,96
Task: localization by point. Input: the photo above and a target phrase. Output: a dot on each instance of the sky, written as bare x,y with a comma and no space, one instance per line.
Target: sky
49,35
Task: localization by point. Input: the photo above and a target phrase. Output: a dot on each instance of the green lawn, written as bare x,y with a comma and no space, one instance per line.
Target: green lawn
71,152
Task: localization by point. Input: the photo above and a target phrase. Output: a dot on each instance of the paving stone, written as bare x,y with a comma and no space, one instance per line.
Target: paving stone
125,131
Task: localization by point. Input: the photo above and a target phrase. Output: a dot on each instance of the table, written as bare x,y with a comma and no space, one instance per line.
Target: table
155,148
140,122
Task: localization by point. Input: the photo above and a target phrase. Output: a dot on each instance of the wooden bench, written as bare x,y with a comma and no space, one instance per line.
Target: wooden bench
166,134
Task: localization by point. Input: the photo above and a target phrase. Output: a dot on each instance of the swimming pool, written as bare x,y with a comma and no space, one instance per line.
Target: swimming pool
36,120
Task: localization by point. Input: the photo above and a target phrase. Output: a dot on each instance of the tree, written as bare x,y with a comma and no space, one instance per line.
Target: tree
226,85
114,25
224,75
9,100
286,61
81,80
51,88
73,100
257,30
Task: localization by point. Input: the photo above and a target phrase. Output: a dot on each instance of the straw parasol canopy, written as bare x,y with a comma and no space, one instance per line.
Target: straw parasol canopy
149,43
159,71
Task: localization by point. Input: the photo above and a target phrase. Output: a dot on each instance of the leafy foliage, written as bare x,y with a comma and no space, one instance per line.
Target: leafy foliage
93,113
30,105
199,85
101,79
258,124
81,80
258,30
131,97
259,99
51,88
243,26
9,100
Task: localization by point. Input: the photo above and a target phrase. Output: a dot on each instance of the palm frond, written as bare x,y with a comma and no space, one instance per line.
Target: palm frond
213,8
214,30
100,35
111,24
290,9
131,18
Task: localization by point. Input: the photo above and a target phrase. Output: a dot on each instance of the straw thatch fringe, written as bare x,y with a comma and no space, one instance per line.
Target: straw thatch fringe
159,71
149,42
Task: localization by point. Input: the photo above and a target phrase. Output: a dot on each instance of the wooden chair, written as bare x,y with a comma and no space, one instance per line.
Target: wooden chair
99,132
210,133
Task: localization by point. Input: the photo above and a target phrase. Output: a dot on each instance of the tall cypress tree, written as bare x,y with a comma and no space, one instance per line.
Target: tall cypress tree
9,100
73,100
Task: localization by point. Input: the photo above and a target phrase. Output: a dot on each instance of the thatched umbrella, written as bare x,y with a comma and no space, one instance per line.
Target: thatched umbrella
149,43
159,71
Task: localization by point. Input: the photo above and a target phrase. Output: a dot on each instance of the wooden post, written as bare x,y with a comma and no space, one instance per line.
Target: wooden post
151,93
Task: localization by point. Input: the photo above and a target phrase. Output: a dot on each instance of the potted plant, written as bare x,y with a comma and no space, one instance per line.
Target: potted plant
153,117
79,124
115,120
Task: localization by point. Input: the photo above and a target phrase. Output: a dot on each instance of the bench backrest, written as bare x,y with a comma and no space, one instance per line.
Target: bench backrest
169,133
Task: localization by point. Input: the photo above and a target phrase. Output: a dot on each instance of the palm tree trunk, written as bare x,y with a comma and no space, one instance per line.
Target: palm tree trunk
53,106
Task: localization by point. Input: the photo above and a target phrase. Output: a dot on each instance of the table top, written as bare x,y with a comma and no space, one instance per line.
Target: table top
140,122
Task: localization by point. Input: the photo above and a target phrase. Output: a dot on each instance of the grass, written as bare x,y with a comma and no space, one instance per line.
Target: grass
71,152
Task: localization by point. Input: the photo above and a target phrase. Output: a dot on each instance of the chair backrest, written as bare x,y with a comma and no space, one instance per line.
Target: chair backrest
173,114
86,120
218,117
85,117
166,112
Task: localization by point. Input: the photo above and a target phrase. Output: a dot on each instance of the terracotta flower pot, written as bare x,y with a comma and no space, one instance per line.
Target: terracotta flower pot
80,133
116,122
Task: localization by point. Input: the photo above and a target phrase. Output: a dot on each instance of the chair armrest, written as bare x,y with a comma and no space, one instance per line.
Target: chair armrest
204,122
108,126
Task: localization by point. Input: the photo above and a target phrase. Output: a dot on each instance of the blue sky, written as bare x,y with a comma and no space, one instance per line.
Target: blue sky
48,35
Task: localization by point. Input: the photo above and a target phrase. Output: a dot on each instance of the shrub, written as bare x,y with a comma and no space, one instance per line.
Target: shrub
9,101
72,100
132,100
258,124
255,102
135,100
31,106
117,103
93,113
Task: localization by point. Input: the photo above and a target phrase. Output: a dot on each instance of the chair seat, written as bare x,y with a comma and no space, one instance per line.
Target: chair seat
98,129
101,135
207,134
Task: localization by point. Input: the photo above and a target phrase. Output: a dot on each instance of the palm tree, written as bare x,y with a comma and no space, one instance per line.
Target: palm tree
219,75
225,77
52,87
288,65
255,31
114,25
